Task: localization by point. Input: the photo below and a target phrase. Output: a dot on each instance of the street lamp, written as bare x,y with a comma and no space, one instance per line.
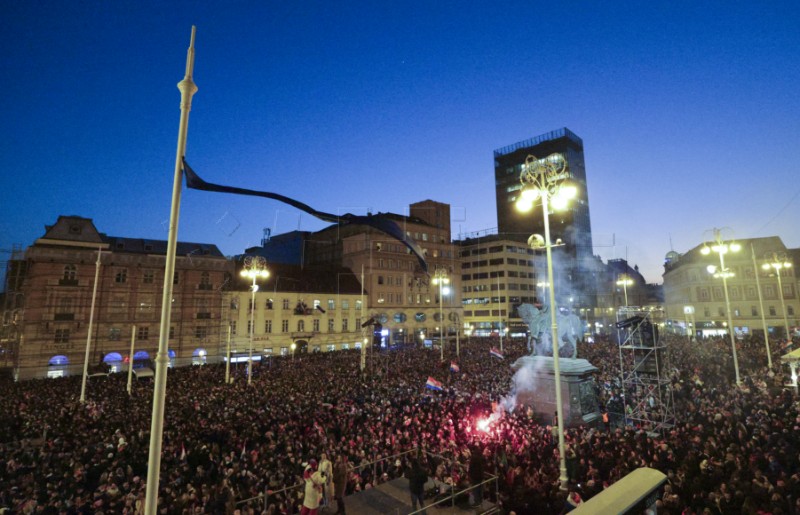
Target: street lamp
722,248
254,267
441,279
625,281
546,179
777,261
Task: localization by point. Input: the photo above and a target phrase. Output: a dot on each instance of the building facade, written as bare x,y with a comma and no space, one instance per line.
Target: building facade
58,289
572,225
400,296
695,300
497,275
297,310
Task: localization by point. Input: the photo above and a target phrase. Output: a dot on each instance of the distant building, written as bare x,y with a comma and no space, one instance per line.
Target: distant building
313,308
497,275
695,299
399,295
54,290
572,225
570,229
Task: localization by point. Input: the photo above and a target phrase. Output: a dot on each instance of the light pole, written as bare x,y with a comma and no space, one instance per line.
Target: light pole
441,279
761,308
254,267
777,261
721,247
545,179
625,281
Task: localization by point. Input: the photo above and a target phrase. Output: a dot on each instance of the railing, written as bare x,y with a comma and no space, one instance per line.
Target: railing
374,464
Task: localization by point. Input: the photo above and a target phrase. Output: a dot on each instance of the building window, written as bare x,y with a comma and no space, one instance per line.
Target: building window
233,327
772,311
121,276
344,325
284,326
358,304
148,277
706,312
753,311
316,325
268,326
380,279
284,351
331,348
205,281
249,326
142,332
330,325
70,273
721,312
345,304
175,278
269,303
285,303
301,326
790,310
172,332
331,304
61,336
114,333
200,332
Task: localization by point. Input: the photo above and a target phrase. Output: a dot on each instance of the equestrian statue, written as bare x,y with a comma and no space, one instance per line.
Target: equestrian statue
537,317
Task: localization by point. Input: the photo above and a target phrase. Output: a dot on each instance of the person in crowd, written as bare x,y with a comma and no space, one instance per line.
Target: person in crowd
417,477
314,481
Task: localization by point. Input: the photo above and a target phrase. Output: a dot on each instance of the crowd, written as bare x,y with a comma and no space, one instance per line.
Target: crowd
732,450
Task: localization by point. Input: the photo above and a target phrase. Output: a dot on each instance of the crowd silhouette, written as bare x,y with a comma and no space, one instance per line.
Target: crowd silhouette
732,450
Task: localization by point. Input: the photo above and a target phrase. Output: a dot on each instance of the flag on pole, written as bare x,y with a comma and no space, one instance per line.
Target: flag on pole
454,367
496,353
433,384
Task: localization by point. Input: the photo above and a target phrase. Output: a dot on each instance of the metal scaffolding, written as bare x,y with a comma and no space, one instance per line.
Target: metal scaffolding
645,371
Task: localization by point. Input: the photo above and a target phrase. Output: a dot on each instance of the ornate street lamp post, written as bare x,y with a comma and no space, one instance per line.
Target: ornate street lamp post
721,247
441,279
777,261
625,281
546,179
254,267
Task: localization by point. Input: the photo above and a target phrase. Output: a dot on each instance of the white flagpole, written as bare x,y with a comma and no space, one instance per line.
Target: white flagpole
91,320
187,89
130,358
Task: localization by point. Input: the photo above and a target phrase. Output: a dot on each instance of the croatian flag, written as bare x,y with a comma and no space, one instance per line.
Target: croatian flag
496,353
433,384
454,367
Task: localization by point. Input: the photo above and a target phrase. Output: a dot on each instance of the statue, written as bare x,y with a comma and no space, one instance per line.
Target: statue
539,324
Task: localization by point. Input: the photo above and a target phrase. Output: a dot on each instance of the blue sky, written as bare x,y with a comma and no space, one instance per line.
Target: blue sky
688,111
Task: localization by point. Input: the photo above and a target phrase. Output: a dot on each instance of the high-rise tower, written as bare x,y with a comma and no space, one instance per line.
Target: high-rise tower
572,225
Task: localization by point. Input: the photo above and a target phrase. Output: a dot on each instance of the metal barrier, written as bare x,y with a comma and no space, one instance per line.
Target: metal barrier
374,464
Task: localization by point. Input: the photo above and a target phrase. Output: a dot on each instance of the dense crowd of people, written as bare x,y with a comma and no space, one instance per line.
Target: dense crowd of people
732,449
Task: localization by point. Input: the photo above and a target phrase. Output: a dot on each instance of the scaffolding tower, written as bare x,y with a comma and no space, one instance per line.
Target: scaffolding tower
645,371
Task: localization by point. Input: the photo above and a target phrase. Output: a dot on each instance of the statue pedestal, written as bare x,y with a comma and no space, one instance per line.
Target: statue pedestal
535,386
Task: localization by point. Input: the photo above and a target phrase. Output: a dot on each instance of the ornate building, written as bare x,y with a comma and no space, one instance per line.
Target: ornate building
695,298
60,299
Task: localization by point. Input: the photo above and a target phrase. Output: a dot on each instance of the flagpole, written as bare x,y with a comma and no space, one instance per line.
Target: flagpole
89,330
187,89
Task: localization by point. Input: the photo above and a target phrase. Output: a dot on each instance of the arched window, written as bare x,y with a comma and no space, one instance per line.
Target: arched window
301,326
70,273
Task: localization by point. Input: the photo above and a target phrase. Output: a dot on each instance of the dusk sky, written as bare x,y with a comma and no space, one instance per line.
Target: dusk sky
689,113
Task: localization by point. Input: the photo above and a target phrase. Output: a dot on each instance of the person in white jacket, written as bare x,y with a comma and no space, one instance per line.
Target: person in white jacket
314,480
326,469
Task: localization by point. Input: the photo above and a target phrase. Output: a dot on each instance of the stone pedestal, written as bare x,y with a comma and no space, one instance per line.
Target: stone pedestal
535,386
